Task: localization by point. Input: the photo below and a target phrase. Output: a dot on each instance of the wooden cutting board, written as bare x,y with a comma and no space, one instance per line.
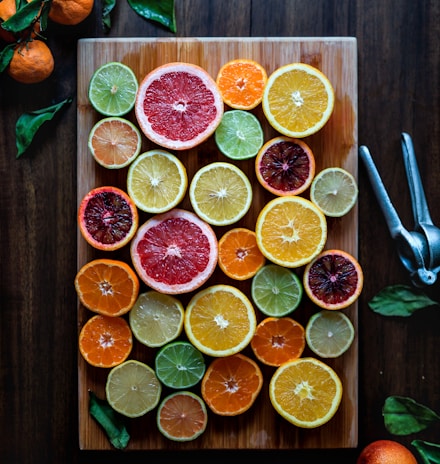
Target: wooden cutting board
335,145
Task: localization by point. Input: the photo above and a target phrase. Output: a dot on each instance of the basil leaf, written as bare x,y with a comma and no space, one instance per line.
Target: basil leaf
109,420
107,8
6,56
161,11
403,416
399,300
28,124
26,16
430,452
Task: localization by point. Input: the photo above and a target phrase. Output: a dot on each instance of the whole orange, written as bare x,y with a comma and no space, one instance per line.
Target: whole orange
386,452
7,9
70,12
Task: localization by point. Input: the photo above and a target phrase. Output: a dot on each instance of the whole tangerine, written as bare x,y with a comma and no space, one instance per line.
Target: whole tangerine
386,452
7,9
70,12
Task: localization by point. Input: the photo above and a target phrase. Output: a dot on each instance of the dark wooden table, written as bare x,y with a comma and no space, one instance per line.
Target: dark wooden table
399,77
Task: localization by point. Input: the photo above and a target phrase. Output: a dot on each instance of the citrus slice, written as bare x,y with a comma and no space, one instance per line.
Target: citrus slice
220,320
178,105
112,89
276,290
156,318
238,254
334,190
107,218
107,286
157,181
333,279
220,193
306,392
285,166
114,142
182,416
291,231
239,135
298,100
105,341
179,365
241,83
175,252
132,388
329,334
231,384
278,340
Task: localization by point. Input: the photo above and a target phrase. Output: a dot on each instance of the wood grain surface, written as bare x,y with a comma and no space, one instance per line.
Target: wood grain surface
334,145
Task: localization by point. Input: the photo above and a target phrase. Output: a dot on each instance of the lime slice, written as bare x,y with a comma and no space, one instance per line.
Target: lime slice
276,290
329,333
239,135
334,190
156,318
132,388
112,89
180,365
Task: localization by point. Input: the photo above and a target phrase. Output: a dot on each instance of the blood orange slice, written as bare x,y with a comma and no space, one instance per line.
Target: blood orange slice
178,105
175,252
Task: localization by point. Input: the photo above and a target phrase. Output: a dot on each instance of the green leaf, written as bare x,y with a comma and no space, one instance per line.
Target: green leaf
161,11
110,421
430,452
107,8
27,15
28,124
6,56
400,300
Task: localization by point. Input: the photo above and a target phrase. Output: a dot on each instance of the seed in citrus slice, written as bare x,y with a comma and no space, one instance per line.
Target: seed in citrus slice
334,190
238,254
220,193
105,341
107,286
278,340
298,100
175,252
285,166
182,416
333,279
291,231
156,318
231,384
157,181
112,89
114,142
132,388
239,135
107,218
329,334
179,365
276,290
241,83
178,105
306,392
220,320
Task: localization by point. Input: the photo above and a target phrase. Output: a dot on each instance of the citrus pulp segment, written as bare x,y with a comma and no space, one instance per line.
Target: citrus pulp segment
178,105
333,279
220,320
298,100
220,193
156,318
329,334
157,181
291,231
285,166
132,388
107,286
113,89
174,252
306,392
239,135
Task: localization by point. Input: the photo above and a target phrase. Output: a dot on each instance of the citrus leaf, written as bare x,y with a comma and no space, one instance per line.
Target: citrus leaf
399,300
430,452
27,15
28,124
110,421
161,11
6,56
107,8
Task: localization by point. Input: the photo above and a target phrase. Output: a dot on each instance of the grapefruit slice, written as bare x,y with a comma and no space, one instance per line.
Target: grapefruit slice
178,105
175,252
